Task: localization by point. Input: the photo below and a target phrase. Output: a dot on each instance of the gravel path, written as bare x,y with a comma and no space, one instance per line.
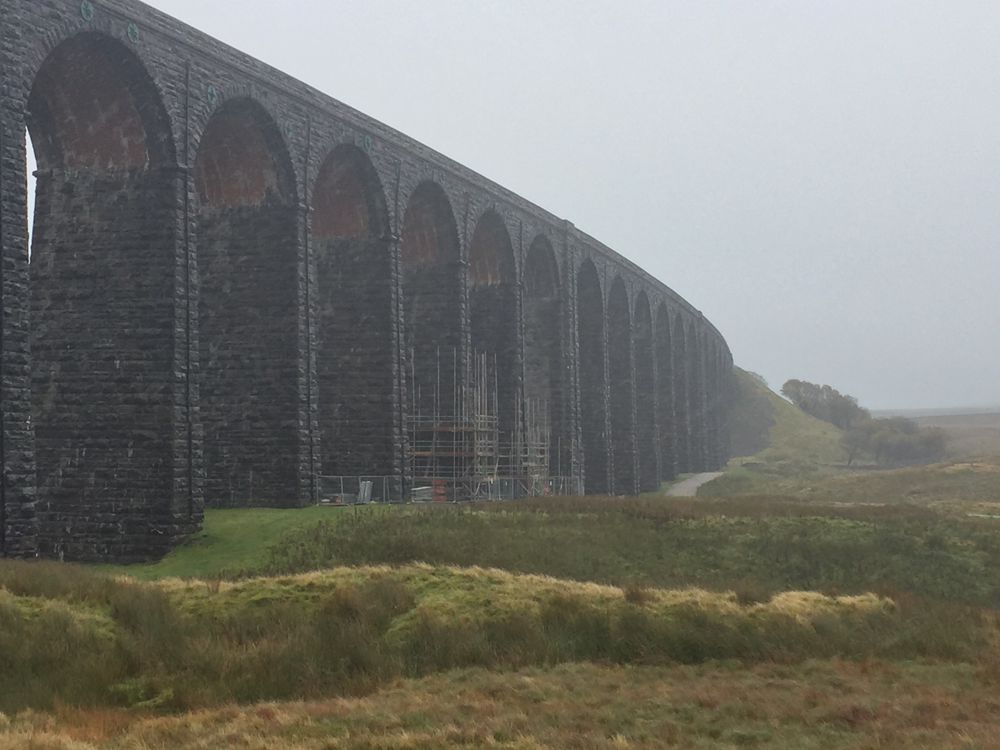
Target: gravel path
689,487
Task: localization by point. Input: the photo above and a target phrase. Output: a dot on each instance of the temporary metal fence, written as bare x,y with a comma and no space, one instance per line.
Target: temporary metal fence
451,490
362,490
358,490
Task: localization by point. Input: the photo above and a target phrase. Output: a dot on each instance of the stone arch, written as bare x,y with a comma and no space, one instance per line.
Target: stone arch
620,370
682,384
105,250
248,229
94,106
593,385
432,301
242,159
493,317
714,411
696,397
354,317
645,396
666,421
348,200
543,387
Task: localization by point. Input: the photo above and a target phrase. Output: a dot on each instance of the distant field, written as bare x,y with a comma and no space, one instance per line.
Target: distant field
969,435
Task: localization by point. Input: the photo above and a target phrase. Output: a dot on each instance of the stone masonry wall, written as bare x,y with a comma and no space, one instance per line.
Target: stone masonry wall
247,325
102,346
356,358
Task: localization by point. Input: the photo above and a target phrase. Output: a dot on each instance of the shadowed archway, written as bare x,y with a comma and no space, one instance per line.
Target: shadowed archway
543,388
682,384
493,319
665,386
622,390
593,387
696,398
645,396
354,317
432,302
105,249
247,238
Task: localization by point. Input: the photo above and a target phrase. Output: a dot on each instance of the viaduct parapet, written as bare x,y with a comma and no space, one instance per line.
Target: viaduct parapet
239,288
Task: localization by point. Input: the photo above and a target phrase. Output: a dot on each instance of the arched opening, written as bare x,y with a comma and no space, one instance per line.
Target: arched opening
622,393
434,332
493,333
645,396
247,312
31,168
696,399
713,410
665,418
593,390
543,350
355,319
104,249
682,383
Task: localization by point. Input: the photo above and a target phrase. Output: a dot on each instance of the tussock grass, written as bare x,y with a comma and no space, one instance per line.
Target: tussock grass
185,644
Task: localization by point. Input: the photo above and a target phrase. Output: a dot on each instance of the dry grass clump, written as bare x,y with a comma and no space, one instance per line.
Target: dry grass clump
184,644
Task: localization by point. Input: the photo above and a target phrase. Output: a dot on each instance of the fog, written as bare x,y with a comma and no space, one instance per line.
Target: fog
821,179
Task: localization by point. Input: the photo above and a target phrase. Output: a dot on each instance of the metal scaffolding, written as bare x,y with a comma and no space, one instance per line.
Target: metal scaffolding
464,453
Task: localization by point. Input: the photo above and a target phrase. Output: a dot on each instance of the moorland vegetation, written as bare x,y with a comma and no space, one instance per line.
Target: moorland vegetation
798,602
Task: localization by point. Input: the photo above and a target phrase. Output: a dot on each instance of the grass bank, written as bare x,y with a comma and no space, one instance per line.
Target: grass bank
70,636
758,546
232,540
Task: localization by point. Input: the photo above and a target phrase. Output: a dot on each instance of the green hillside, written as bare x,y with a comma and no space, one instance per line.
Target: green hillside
796,436
798,446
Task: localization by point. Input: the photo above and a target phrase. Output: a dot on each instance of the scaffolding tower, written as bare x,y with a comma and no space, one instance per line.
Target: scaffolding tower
462,452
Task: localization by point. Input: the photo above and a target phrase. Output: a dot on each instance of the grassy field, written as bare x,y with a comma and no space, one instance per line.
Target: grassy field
829,705
813,606
232,540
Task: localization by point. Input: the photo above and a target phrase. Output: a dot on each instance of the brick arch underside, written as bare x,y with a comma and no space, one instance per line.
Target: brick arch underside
247,310
593,387
543,388
356,357
665,417
102,307
493,319
645,397
432,303
622,402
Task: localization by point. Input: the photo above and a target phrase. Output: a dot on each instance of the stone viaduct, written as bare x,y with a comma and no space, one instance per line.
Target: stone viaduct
237,284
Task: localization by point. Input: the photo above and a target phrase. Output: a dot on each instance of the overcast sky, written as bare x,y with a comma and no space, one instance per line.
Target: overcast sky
822,179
